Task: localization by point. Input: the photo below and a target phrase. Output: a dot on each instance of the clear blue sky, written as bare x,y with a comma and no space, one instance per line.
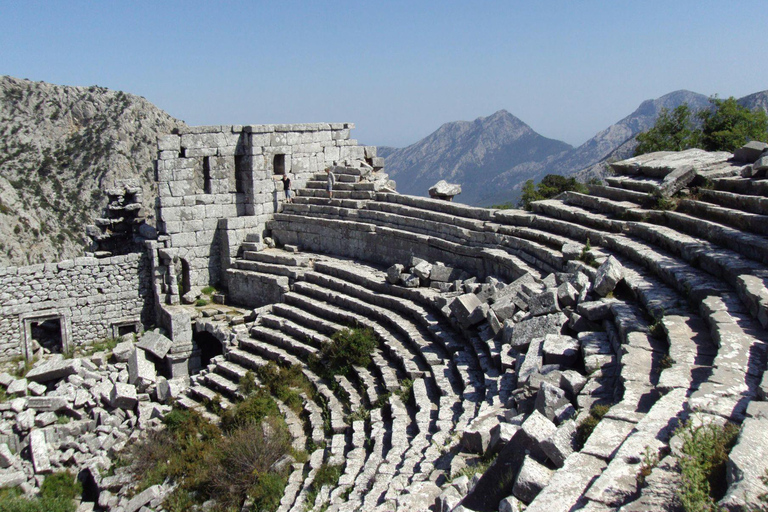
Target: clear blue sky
397,69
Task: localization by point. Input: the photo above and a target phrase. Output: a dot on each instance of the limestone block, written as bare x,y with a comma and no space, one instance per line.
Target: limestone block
504,308
422,270
560,444
45,419
519,334
544,303
7,459
494,322
567,295
443,274
393,273
561,350
141,371
6,379
169,143
170,389
123,396
36,389
511,504
531,479
608,276
448,499
536,428
46,403
747,464
155,343
409,281
25,420
13,479
468,309
143,498
501,434
54,369
17,387
550,398
477,435
39,450
122,351
750,152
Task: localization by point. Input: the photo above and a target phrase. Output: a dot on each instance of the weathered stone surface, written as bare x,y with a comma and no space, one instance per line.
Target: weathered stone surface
560,444
39,451
519,334
468,309
46,403
12,479
122,351
443,273
393,273
143,498
561,350
442,189
54,369
501,434
608,276
747,464
567,295
544,303
750,152
422,270
123,396
504,308
567,485
155,343
6,457
550,398
531,479
536,429
511,504
17,387
141,371
477,435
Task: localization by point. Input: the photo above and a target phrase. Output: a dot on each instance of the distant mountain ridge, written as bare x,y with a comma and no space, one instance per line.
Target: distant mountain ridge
498,162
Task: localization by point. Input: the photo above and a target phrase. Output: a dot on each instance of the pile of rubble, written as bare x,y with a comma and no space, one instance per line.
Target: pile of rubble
545,333
78,414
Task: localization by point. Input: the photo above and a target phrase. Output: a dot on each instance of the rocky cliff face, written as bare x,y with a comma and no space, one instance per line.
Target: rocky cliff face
485,155
59,147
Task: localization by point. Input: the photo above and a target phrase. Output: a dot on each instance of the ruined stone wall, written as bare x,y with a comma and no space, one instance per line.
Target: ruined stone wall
216,183
90,297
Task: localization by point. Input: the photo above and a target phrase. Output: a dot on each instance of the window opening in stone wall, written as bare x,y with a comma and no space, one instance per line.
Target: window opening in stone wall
122,330
186,283
278,164
208,345
46,333
240,173
207,174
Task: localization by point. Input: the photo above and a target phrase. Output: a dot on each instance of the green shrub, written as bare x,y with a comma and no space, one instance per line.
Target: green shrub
208,290
326,475
286,383
247,383
61,485
201,302
673,131
268,490
550,186
253,409
348,348
702,464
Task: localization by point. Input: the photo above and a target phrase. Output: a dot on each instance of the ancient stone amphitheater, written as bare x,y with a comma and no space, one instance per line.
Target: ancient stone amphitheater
510,334
638,306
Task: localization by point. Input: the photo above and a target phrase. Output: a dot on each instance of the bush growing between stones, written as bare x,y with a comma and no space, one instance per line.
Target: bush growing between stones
326,475
286,383
585,428
550,186
348,348
702,464
225,465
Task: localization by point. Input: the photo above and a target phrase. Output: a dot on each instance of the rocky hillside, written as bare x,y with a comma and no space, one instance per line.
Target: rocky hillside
59,147
485,155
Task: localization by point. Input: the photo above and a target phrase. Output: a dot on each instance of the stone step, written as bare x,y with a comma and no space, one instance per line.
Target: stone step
269,268
757,204
230,370
321,185
308,337
344,203
221,384
742,186
338,194
736,218
340,178
186,402
642,184
283,340
278,257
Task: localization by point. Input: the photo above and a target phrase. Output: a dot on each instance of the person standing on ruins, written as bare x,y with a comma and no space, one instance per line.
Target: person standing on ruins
331,182
286,179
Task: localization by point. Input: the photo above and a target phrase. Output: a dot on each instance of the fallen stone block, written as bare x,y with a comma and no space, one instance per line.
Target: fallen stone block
393,273
123,396
54,369
468,309
46,403
750,152
608,276
560,443
747,465
13,479
6,457
501,434
143,498
520,334
531,479
544,303
155,343
567,295
561,350
141,371
511,504
504,308
422,270
536,428
477,435
550,398
122,351
39,450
